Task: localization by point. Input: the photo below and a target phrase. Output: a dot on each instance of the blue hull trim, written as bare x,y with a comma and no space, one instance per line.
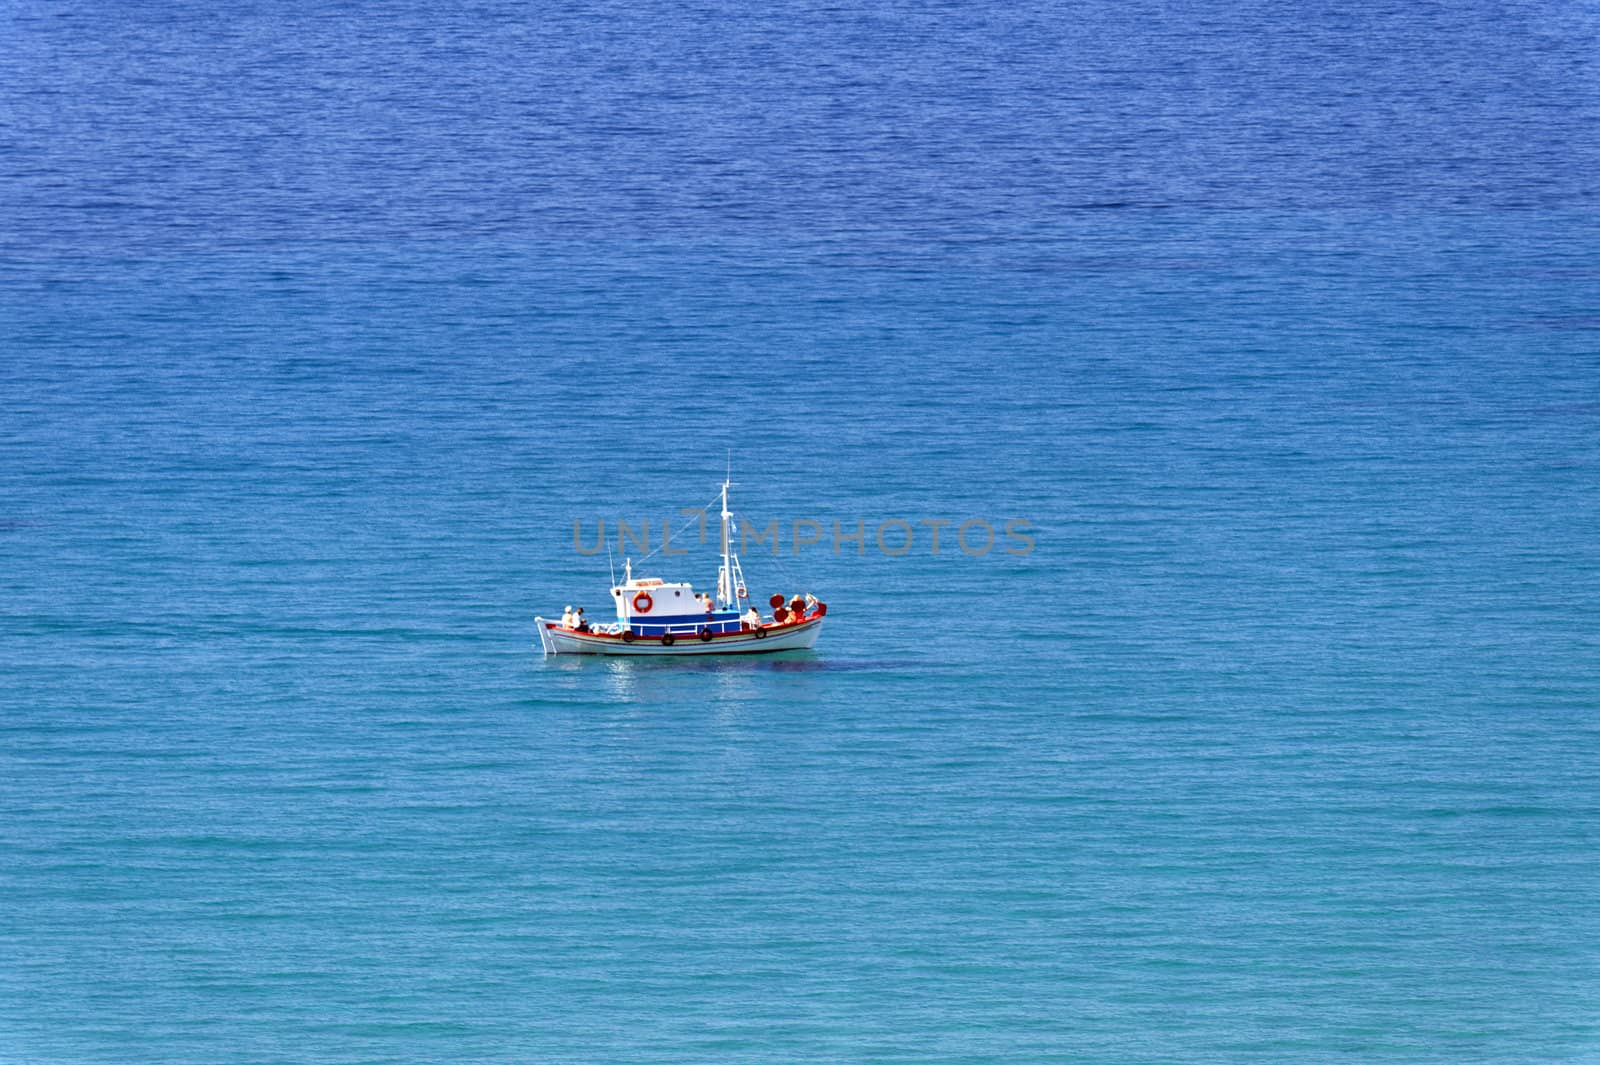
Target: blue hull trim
682,619
686,628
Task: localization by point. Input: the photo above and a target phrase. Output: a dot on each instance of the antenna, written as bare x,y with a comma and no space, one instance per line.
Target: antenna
612,562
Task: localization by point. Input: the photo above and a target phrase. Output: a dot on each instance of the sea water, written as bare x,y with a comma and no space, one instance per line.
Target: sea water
1264,340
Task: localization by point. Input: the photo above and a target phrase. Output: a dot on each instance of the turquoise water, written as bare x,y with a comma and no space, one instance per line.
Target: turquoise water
1278,745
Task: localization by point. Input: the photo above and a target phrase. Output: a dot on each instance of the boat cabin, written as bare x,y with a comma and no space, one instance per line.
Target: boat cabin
652,607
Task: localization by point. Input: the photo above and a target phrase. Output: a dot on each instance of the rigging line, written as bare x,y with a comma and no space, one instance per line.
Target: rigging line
787,576
652,554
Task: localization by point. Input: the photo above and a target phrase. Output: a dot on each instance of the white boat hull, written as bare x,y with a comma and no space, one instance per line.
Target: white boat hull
794,637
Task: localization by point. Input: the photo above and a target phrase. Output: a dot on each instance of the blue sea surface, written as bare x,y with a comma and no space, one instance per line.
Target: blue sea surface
1275,331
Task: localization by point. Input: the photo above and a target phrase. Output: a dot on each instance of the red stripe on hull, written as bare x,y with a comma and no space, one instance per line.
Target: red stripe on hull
746,633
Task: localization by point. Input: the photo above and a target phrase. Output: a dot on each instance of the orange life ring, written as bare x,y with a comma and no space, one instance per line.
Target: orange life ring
642,602
742,593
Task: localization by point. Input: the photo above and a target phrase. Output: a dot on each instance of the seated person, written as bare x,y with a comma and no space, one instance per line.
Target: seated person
751,619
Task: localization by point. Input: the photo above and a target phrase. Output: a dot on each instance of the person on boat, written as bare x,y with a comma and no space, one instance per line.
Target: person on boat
580,622
752,618
811,603
797,607
566,618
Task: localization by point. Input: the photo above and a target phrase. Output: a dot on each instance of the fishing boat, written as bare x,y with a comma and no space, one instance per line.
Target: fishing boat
658,617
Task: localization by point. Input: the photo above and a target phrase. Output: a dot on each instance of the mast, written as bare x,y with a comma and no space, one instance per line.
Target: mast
725,578
620,593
